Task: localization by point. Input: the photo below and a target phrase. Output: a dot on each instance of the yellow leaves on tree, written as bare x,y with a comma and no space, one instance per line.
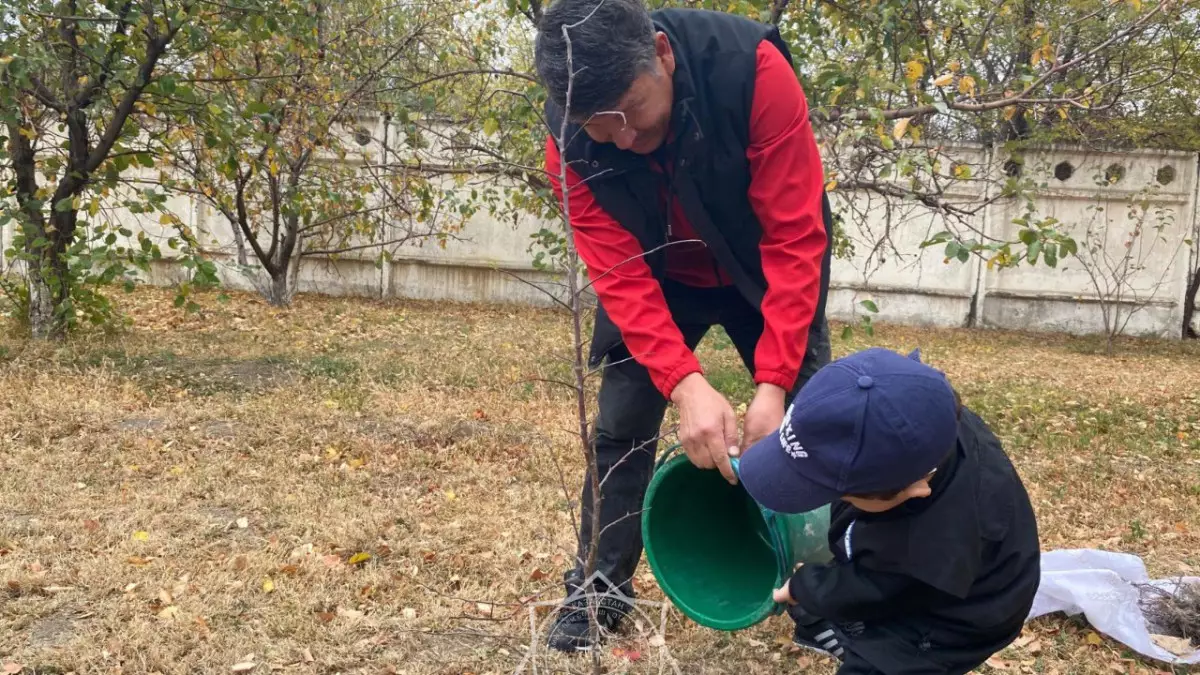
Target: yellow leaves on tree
966,86
944,80
1043,53
913,70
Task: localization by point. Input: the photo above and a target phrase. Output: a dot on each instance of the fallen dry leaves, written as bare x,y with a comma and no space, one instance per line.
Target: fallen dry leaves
1176,645
345,471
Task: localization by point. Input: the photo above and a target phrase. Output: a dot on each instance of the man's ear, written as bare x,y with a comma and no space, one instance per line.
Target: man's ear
666,55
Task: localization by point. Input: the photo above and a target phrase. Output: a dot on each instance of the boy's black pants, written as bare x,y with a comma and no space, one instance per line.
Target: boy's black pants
855,665
631,414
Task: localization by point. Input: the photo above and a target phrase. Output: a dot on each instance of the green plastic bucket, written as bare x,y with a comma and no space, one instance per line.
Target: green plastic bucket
716,553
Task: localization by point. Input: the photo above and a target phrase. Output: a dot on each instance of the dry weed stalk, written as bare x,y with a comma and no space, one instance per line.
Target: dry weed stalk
1175,612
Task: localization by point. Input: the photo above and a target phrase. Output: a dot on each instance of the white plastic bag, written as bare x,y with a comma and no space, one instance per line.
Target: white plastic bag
1103,587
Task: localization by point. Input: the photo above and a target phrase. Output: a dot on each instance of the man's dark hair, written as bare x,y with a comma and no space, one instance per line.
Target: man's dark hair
612,44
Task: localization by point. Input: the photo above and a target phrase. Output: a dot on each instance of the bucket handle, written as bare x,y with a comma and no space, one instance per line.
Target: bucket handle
666,455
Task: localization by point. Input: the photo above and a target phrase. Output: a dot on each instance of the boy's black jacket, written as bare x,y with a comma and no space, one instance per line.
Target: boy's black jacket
937,584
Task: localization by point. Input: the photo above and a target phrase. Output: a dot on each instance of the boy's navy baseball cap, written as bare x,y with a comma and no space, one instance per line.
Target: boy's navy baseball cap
873,421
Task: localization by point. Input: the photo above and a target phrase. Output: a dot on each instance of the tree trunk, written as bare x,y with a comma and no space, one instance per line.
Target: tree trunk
240,242
279,294
1189,304
41,302
39,247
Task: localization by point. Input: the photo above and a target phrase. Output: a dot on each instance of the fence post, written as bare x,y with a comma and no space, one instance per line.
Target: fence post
385,275
1191,230
4,247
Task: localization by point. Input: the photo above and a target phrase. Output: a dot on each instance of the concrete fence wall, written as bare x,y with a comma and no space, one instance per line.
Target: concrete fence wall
1139,279
1146,274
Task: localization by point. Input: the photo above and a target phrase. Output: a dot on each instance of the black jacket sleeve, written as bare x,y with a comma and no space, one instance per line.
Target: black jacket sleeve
849,592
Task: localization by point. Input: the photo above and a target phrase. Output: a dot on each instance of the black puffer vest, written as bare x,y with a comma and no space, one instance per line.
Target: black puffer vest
715,66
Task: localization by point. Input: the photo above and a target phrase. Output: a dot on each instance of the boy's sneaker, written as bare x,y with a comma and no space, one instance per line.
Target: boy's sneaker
820,637
572,628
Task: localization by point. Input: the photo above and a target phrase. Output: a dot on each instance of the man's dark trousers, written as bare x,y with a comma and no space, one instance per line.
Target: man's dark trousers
631,414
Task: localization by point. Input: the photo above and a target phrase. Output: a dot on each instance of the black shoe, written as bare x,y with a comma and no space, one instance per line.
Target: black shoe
820,637
572,629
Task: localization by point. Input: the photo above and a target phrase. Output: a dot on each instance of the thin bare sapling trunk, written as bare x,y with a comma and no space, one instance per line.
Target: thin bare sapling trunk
578,365
575,305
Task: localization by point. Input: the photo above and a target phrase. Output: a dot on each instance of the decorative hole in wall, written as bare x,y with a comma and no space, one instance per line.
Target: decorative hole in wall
1165,175
1114,173
1012,168
362,136
1064,171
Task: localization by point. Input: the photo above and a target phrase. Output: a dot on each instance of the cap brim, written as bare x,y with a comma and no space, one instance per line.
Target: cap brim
771,478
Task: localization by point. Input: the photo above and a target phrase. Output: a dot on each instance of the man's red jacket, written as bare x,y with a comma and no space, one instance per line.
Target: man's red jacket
786,186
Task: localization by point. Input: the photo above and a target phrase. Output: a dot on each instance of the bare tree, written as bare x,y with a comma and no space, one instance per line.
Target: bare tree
1116,253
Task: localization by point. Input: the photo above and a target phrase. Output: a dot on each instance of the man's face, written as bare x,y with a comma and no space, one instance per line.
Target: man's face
640,120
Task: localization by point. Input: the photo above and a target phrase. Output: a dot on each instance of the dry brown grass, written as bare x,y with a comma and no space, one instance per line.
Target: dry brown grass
197,490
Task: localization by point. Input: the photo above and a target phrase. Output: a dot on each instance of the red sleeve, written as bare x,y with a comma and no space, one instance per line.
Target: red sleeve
630,294
786,186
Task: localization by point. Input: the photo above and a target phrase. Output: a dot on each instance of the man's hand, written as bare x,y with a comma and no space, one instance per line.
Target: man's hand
783,595
707,425
764,416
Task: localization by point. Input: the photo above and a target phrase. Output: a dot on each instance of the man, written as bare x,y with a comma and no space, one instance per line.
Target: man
696,198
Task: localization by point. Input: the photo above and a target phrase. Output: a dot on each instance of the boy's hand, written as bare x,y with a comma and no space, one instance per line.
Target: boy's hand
764,416
707,425
783,594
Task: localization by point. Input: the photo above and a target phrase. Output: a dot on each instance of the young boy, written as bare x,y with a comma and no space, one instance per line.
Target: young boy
936,553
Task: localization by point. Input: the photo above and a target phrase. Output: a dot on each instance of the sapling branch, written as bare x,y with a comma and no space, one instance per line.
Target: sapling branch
640,447
558,301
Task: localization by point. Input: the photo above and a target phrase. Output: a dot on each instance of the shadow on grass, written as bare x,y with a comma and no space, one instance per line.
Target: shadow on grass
162,370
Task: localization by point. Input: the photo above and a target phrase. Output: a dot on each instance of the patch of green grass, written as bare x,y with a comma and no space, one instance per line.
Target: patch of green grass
163,370
1137,531
717,339
734,382
391,373
350,398
332,367
129,365
1027,415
